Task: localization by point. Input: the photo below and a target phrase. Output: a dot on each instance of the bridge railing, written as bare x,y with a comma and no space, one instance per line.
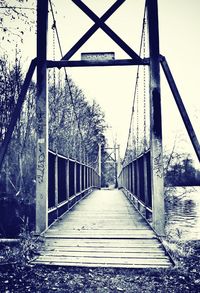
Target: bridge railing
68,182
135,181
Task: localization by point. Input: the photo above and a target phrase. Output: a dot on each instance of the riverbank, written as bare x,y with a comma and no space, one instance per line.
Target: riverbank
183,277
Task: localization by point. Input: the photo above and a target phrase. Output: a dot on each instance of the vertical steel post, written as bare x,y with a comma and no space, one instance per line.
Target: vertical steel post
133,177
42,119
118,161
115,158
67,182
118,166
56,184
99,165
155,119
75,189
137,178
146,197
81,178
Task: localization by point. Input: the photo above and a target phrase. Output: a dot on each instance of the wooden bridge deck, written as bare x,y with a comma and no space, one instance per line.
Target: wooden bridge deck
103,230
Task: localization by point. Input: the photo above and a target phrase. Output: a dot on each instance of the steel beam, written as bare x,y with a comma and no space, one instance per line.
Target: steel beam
84,63
42,119
155,120
181,107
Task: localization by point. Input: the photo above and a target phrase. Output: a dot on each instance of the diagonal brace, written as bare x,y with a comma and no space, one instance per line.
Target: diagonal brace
110,156
17,111
106,29
92,30
101,24
180,105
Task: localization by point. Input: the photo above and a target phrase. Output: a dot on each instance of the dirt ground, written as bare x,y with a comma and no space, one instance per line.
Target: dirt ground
183,277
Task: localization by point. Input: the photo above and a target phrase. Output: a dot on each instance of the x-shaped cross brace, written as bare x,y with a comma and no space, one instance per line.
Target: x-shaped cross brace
100,23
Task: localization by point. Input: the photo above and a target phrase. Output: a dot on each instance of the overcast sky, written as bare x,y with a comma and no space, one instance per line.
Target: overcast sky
113,87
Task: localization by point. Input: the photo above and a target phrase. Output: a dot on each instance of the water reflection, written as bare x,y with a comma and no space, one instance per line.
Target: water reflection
183,213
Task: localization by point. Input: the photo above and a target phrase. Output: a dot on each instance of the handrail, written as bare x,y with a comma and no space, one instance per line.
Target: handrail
70,159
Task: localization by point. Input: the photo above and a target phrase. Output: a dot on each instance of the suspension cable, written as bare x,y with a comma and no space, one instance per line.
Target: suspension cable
54,56
136,82
144,88
66,76
137,119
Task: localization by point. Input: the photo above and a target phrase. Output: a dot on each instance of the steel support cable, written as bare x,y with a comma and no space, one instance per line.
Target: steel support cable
54,57
66,75
144,88
137,119
136,82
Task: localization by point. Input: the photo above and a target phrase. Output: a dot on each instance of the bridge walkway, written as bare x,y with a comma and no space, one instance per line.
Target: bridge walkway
103,230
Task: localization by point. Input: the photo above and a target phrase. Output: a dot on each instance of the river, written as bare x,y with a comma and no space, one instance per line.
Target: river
183,217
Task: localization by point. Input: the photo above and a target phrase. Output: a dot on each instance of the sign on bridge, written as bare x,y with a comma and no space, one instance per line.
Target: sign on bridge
97,56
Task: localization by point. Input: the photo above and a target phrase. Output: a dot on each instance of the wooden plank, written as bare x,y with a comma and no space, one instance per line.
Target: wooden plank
82,231
79,210
101,224
96,230
86,234
106,220
104,254
99,217
89,226
99,236
108,215
123,243
100,265
137,250
105,260
108,246
99,228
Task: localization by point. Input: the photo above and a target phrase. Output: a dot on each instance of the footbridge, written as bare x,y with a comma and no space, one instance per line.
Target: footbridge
82,222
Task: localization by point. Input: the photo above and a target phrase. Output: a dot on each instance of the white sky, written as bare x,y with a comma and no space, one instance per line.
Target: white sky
113,87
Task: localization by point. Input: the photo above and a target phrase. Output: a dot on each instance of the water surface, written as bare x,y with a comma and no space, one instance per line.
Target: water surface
183,217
